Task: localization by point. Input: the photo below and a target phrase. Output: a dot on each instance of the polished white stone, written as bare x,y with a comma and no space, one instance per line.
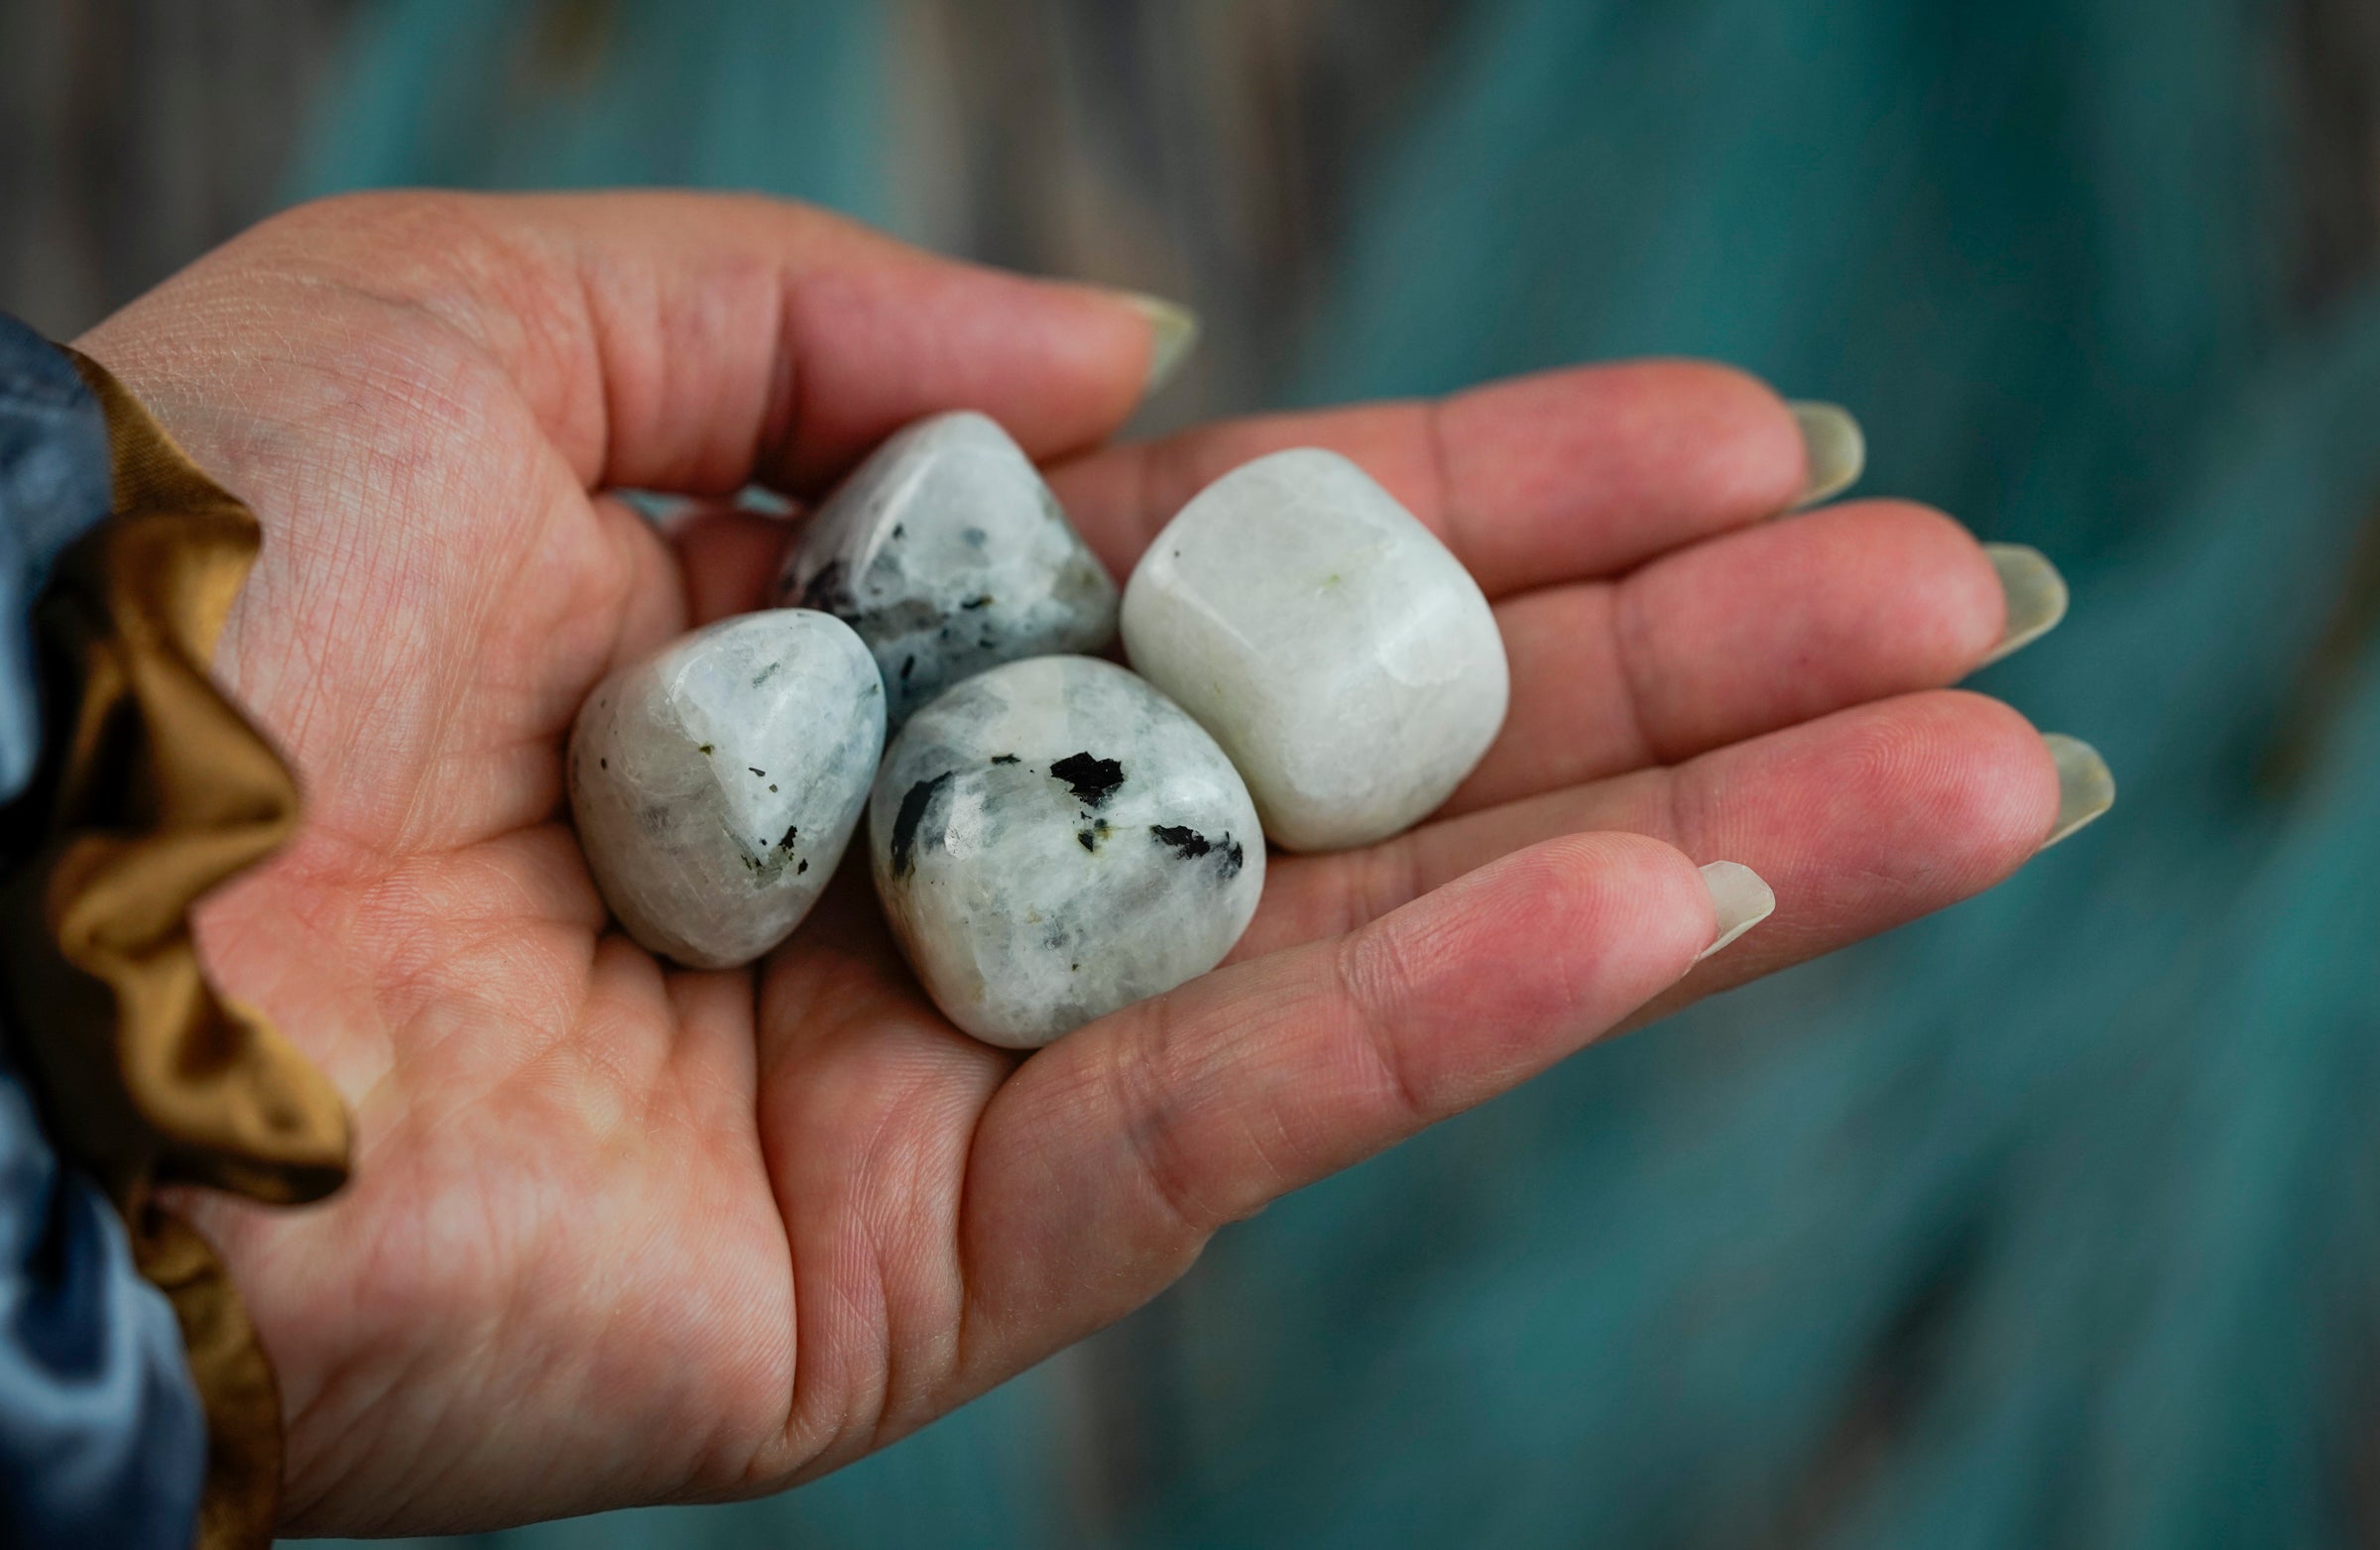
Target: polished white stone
716,783
1053,840
1339,653
949,555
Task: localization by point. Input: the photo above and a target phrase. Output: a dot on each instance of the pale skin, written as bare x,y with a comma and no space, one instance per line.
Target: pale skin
621,1233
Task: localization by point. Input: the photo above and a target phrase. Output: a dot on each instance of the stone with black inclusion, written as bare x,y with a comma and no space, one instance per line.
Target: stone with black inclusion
1053,840
949,555
716,782
1052,837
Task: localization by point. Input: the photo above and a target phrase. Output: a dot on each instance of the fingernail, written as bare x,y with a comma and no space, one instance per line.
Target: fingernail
1834,452
2086,786
2036,597
1739,897
1172,333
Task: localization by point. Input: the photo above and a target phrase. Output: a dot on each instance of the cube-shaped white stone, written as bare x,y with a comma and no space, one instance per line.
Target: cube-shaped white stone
1339,653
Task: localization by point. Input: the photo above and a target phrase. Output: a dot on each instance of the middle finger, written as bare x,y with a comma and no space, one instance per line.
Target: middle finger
1740,635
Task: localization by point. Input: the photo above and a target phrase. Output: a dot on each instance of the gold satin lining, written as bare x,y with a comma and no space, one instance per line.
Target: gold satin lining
241,1501
154,789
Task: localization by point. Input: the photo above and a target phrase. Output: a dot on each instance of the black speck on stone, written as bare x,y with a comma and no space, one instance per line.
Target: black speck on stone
1188,843
773,786
793,833
908,664
805,867
766,674
900,529
912,813
761,773
604,763
706,748
1004,758
975,537
1094,780
978,602
1092,835
1084,835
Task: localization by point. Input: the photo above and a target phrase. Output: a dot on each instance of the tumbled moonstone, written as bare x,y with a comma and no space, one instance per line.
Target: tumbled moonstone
1053,840
1338,651
716,782
949,555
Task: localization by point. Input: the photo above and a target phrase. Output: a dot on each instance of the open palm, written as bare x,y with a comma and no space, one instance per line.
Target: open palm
623,1232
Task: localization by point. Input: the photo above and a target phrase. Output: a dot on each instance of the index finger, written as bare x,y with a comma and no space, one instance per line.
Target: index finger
1531,481
692,342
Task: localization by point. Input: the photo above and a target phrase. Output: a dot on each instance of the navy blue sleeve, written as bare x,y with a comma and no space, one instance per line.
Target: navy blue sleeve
102,1442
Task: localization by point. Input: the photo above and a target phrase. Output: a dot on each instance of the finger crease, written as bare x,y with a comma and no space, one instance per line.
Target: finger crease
1628,653
1388,879
781,415
1152,1129
604,374
1371,1029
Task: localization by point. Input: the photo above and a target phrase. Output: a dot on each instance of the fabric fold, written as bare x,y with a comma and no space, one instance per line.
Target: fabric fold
154,790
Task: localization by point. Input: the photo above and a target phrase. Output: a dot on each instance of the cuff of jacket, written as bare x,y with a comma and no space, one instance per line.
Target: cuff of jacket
153,789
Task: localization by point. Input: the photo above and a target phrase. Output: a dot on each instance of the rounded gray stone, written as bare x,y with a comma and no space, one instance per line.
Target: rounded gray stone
1053,840
716,783
949,555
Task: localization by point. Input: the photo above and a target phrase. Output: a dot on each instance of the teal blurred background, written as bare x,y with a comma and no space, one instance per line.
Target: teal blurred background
2053,1219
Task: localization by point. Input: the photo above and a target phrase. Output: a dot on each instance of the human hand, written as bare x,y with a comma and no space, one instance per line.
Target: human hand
622,1233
